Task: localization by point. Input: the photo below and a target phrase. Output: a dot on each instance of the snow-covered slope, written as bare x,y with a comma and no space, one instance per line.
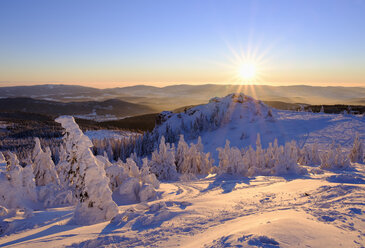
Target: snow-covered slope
239,118
319,210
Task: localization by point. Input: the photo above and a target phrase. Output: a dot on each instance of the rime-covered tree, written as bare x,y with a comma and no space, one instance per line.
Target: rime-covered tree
86,175
162,162
2,163
192,159
357,151
334,158
231,161
22,185
309,155
43,167
322,109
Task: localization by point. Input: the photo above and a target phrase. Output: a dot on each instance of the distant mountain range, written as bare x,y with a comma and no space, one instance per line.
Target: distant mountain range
151,98
104,110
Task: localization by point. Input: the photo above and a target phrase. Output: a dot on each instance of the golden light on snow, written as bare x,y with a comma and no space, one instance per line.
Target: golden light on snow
247,71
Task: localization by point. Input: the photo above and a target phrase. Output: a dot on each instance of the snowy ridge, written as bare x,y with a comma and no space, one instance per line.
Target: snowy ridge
216,114
239,118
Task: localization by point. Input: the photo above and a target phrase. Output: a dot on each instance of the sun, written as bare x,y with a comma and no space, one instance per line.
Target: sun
247,71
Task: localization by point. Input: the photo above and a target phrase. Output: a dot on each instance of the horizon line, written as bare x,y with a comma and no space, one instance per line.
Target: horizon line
92,85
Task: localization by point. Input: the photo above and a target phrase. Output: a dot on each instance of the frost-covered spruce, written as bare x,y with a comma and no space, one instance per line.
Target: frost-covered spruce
309,155
231,161
43,167
162,163
22,190
191,159
357,151
86,176
2,163
334,158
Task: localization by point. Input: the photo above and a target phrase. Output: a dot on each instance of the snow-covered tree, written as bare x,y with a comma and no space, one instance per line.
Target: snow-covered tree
192,159
334,158
116,174
231,161
86,175
357,151
322,109
309,155
162,163
147,177
19,191
43,167
2,163
131,183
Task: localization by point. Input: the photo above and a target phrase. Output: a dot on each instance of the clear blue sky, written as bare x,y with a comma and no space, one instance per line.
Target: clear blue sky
107,43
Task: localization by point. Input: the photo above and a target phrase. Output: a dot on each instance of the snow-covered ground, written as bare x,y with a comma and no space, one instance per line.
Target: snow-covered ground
95,117
108,134
318,210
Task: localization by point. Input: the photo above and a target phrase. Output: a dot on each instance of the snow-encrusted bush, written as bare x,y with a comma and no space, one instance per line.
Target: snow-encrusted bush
309,155
43,167
357,151
191,159
132,183
334,158
162,163
86,176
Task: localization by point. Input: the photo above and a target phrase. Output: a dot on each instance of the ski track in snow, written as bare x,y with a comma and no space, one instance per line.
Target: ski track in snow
325,210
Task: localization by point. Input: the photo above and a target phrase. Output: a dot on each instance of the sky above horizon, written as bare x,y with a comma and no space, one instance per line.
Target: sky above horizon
119,43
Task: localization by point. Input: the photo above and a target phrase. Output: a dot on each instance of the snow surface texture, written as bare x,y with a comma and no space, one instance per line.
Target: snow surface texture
318,210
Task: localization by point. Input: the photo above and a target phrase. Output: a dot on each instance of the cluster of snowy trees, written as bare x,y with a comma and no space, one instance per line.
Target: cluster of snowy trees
79,178
168,162
22,147
275,160
94,183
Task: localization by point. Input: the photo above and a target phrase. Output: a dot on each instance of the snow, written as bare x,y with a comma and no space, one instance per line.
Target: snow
108,134
256,196
95,117
226,211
